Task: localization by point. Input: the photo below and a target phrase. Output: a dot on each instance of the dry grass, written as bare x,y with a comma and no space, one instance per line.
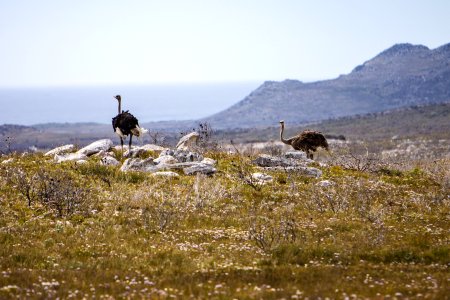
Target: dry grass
378,232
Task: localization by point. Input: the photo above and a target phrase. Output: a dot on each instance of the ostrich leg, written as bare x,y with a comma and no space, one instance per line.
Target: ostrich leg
129,145
121,143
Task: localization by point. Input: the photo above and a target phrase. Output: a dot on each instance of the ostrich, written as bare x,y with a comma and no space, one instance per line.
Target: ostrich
126,124
307,141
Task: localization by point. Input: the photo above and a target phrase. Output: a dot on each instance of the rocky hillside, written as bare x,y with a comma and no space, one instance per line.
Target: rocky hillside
402,75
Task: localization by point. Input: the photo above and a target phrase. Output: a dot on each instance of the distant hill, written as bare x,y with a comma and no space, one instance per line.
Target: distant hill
427,121
400,76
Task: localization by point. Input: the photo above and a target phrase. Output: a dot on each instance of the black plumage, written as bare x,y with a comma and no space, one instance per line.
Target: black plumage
125,124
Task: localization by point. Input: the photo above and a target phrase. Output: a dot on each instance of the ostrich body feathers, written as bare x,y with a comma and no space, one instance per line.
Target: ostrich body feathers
125,124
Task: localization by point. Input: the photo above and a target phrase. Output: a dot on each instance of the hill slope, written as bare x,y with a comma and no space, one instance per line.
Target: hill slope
402,75
428,121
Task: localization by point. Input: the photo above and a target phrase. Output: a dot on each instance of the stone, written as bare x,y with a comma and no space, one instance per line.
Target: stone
136,151
96,147
152,147
265,160
262,178
60,150
109,161
188,141
296,155
209,161
182,155
325,183
137,164
200,168
69,157
165,159
169,174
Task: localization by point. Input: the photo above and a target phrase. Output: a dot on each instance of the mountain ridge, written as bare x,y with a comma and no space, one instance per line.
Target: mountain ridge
399,76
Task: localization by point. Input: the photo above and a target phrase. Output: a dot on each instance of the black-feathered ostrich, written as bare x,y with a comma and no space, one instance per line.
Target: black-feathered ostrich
126,124
307,141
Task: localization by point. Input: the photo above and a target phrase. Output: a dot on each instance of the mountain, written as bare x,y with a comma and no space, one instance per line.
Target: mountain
400,76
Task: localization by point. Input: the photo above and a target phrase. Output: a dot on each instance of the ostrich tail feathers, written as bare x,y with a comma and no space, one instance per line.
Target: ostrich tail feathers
142,130
139,131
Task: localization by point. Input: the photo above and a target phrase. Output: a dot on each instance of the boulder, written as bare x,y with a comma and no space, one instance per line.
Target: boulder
325,183
70,157
182,155
265,160
188,141
109,161
137,164
60,150
296,155
288,164
200,168
262,178
165,160
96,147
209,161
136,151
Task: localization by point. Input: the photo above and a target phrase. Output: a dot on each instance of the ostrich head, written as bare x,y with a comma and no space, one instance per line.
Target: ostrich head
282,123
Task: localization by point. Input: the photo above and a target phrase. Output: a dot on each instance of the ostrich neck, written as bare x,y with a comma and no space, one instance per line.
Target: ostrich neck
281,136
120,106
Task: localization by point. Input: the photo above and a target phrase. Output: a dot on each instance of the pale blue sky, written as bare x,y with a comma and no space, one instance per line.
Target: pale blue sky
48,43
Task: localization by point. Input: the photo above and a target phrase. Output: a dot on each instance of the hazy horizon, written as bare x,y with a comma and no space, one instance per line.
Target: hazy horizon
149,103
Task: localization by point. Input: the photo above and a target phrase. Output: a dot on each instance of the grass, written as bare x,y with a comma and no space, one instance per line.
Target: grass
82,231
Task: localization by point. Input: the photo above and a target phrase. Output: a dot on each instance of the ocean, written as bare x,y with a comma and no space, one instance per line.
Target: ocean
28,106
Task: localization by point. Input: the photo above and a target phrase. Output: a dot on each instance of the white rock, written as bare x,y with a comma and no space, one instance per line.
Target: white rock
183,155
136,151
208,161
137,164
69,157
262,178
199,168
109,161
296,155
165,159
81,162
96,147
60,150
152,147
166,174
188,141
325,183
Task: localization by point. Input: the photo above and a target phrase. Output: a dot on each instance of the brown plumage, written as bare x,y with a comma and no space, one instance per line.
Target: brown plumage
307,141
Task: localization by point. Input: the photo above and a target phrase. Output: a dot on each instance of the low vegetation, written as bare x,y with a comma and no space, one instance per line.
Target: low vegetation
370,227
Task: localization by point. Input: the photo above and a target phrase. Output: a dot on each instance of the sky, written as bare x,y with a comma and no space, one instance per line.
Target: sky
103,42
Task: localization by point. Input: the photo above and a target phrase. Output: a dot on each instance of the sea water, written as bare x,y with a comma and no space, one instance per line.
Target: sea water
28,106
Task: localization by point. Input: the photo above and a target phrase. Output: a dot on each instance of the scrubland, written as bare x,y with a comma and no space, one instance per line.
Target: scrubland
371,227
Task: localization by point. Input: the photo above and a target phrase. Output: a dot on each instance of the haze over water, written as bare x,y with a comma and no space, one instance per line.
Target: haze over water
28,106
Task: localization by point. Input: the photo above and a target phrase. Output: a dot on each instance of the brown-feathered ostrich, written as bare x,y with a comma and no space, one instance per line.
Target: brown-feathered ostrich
126,124
307,141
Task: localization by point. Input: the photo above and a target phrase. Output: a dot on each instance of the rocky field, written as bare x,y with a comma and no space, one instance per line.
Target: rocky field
213,221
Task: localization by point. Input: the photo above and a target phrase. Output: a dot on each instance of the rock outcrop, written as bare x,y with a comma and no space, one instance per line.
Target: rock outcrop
96,147
291,161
